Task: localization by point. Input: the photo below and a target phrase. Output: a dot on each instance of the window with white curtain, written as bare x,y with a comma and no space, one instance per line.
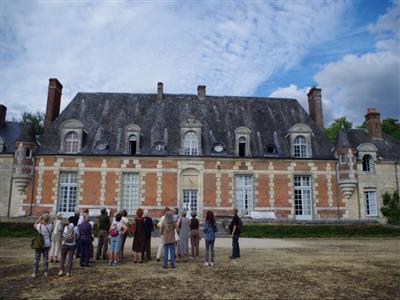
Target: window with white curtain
71,142
190,143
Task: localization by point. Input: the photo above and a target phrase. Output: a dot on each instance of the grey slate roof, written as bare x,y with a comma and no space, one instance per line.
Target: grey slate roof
388,147
269,120
9,133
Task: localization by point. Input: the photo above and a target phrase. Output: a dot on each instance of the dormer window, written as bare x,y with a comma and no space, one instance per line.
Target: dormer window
71,136
190,143
71,142
242,145
368,163
300,147
132,139
300,141
132,144
28,153
218,148
159,146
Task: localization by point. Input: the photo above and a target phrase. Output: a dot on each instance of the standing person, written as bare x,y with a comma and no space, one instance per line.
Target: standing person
159,225
137,230
104,226
71,235
148,229
176,218
184,232
56,237
168,229
117,228
194,235
44,227
125,221
75,221
82,215
210,228
85,237
235,227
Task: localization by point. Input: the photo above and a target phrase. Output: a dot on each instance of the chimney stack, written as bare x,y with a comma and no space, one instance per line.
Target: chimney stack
201,92
160,91
373,123
53,101
315,106
3,112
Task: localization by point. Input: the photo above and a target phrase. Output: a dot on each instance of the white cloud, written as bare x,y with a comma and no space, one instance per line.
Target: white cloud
129,46
356,82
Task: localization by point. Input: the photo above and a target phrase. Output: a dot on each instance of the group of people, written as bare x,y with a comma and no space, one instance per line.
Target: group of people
76,238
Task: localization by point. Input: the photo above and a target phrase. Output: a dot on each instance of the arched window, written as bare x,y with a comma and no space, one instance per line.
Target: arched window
368,163
300,147
190,143
71,142
132,144
242,146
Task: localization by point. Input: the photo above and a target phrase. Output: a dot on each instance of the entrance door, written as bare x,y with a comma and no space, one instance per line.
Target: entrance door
244,193
302,197
190,201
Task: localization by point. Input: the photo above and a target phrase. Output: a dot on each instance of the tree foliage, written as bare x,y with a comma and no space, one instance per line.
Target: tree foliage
391,208
36,118
392,127
333,129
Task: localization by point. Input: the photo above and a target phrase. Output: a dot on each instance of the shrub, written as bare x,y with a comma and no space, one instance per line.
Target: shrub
391,208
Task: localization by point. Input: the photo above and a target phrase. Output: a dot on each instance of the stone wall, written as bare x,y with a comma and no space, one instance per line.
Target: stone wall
6,165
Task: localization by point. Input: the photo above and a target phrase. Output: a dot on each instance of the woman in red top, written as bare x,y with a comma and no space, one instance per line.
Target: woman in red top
138,237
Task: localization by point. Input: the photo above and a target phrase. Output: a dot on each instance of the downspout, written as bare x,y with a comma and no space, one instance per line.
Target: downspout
9,198
33,186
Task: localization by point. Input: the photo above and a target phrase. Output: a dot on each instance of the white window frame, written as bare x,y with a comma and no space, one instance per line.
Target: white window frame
71,142
370,164
242,135
190,200
244,193
68,127
342,158
303,199
370,204
131,130
190,143
300,147
130,192
67,192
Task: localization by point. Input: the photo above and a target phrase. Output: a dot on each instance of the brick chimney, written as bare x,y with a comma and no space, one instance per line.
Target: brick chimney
373,123
201,92
315,106
53,101
3,112
160,91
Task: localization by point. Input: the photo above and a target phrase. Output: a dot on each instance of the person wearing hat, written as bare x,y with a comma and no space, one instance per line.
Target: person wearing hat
56,237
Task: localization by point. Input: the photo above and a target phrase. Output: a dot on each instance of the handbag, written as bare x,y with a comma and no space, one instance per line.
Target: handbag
37,241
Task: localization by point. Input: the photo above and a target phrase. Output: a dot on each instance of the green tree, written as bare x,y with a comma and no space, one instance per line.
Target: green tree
392,127
333,129
391,208
36,118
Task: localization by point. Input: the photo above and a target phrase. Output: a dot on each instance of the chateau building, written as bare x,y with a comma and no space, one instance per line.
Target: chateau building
368,164
265,156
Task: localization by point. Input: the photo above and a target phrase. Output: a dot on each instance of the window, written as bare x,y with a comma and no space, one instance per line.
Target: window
218,148
130,192
242,146
190,201
367,163
28,153
270,149
371,207
67,192
342,159
159,147
71,143
244,193
190,143
302,197
132,144
300,147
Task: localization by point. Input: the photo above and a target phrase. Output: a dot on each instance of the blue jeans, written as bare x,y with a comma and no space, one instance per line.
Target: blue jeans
235,246
85,252
115,243
169,250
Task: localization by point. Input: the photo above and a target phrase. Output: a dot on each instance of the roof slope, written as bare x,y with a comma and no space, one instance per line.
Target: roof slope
9,133
388,147
269,120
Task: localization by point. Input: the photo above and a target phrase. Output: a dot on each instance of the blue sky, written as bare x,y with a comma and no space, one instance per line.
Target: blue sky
348,48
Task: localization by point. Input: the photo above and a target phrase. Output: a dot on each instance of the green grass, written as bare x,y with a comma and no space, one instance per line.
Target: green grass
13,229
318,231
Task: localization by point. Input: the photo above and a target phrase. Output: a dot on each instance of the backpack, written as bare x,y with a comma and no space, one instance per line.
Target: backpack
70,236
37,241
113,230
240,226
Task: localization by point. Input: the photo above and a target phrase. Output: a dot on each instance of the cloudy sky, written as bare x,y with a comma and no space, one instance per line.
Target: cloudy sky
349,49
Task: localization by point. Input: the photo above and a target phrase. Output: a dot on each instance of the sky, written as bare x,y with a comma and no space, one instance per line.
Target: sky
349,49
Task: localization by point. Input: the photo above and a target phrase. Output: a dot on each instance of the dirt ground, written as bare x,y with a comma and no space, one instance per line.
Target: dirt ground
288,269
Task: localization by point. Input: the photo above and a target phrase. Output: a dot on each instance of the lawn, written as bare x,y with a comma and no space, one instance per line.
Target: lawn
307,269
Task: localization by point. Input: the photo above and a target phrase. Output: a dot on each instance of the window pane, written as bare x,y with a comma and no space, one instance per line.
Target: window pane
130,192
67,192
244,193
302,196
